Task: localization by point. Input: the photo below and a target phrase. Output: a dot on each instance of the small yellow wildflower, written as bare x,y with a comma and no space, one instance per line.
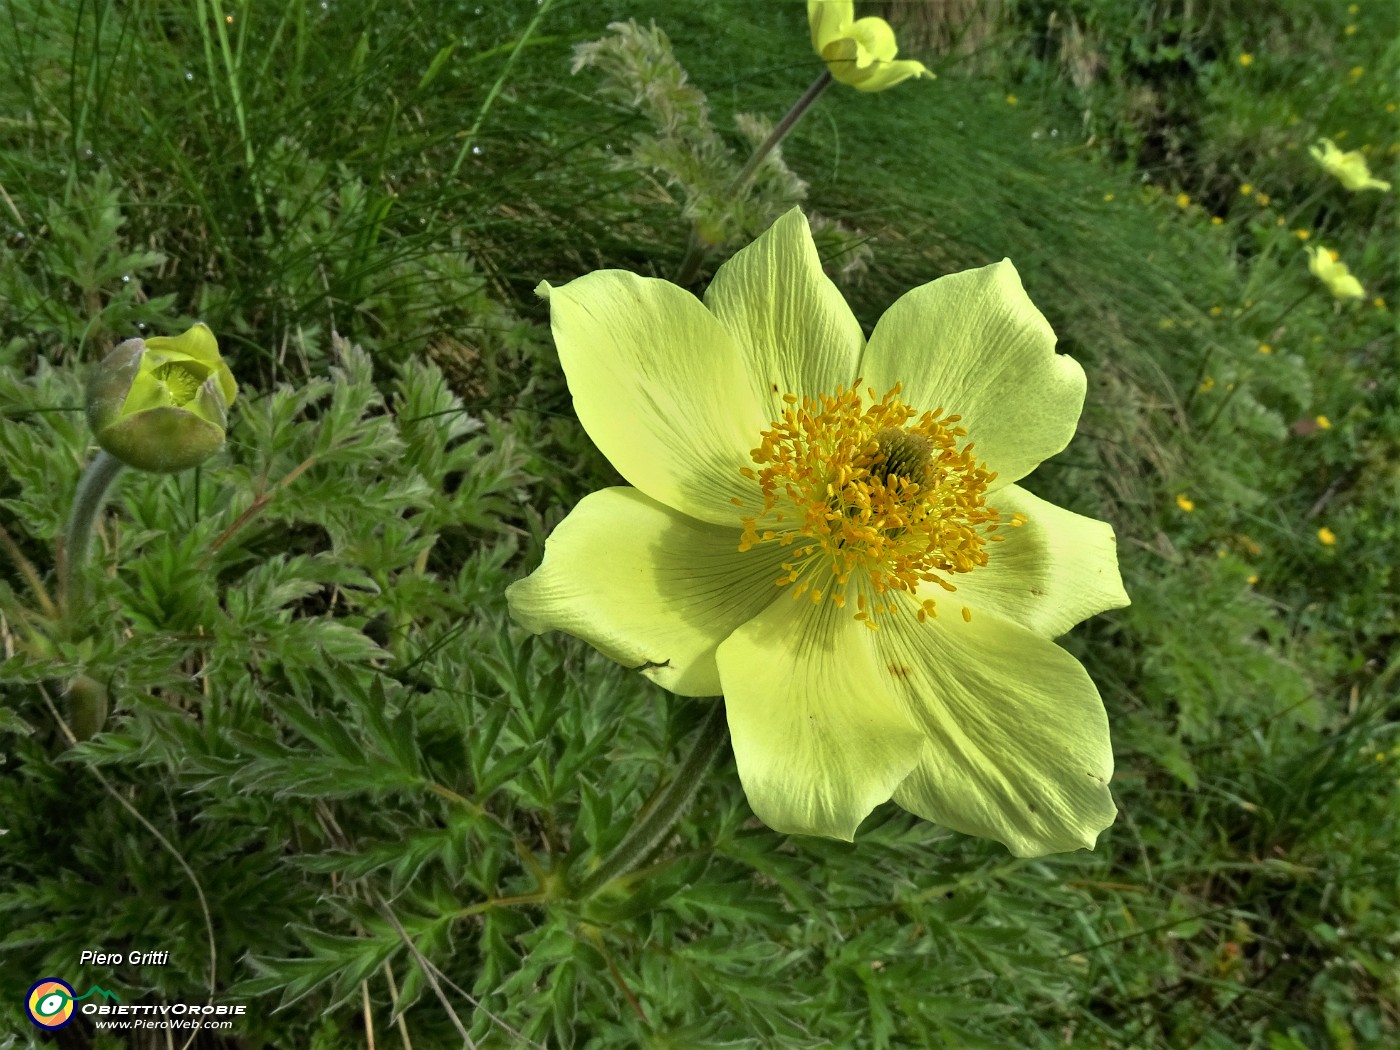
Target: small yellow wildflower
1349,168
1324,265
1355,72
1302,235
1216,220
1378,302
1185,503
1353,8
1011,100
1280,221
859,52
1265,348
1216,311
1246,59
1208,384
1390,107
1351,30
1183,200
1323,423
1108,196
1380,756
1252,580
1326,536
1262,199
1246,188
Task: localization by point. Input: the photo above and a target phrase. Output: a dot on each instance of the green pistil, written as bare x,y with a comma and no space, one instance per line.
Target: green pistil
182,379
902,454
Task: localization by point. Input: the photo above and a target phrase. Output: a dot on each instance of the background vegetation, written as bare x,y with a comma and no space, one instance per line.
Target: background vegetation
338,786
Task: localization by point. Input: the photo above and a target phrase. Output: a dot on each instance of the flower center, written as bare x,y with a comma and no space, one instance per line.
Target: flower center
181,379
872,498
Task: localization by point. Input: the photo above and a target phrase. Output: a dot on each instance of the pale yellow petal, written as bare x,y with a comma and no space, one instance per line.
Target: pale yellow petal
1018,738
1054,571
661,387
818,737
973,343
791,323
827,19
647,587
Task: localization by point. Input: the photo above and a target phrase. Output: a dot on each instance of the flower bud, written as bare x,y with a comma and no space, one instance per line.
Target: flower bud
161,404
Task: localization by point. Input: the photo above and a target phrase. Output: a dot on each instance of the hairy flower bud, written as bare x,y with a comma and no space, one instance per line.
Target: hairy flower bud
161,404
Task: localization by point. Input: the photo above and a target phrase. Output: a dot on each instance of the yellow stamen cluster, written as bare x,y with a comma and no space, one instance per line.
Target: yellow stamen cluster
872,497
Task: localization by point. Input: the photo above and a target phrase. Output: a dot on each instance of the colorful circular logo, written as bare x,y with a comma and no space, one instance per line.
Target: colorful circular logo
50,1003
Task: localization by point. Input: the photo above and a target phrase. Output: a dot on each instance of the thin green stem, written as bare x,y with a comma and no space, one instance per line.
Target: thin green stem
88,502
470,139
696,249
668,807
780,131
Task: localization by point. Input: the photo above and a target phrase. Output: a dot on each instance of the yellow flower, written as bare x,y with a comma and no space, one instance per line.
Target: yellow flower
1324,423
858,52
1378,302
1262,199
161,404
1252,579
1183,201
1246,59
1323,264
1011,100
1185,503
1356,71
1108,196
1349,168
1265,348
1216,311
1216,220
1302,235
1326,536
778,454
1246,188
1207,384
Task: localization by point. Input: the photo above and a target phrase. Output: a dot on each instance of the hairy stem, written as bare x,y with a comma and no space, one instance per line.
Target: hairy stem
88,502
696,249
668,808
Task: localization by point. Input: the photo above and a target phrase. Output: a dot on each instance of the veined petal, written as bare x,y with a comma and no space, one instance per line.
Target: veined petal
794,328
647,587
819,739
1052,572
1018,737
973,343
827,19
661,387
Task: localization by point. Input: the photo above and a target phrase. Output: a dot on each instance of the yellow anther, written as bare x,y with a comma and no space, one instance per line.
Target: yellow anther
870,494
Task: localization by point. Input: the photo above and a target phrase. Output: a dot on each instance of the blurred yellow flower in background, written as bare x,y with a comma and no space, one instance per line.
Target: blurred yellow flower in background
859,52
1349,168
1324,265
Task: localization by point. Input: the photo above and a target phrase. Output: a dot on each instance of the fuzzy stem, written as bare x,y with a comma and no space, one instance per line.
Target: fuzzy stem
696,249
780,131
88,502
668,807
